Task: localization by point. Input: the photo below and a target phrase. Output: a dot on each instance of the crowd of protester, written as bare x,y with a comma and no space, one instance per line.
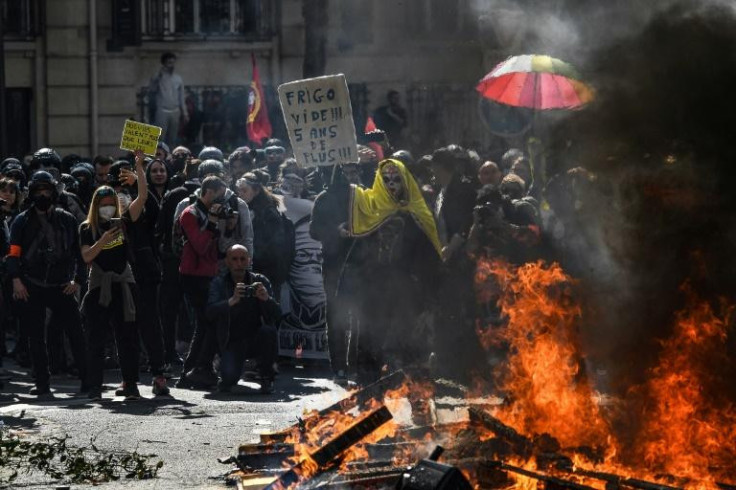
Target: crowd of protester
174,264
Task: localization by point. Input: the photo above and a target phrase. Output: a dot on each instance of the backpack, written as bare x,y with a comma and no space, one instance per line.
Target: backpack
178,238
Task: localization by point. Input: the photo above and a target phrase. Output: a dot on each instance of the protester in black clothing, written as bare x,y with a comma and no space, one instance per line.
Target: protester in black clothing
46,268
329,212
111,299
180,158
85,175
505,223
145,262
172,311
269,238
245,314
453,212
158,180
10,198
48,160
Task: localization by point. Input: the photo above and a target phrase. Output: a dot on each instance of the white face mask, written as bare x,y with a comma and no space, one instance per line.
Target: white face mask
107,212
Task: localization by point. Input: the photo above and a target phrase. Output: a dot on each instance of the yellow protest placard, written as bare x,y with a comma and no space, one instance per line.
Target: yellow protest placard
137,135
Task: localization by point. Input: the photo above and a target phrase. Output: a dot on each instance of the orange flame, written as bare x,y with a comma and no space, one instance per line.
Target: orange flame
543,376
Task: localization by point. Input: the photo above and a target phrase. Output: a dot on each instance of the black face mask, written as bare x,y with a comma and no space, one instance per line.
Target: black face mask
41,202
178,163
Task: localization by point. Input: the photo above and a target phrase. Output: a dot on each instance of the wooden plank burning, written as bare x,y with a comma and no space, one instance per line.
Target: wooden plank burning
327,454
374,391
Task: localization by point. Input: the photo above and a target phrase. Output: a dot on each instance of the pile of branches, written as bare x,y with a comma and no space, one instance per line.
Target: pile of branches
59,461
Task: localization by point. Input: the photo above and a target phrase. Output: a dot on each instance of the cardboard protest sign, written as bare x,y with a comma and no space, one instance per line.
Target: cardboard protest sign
137,135
319,119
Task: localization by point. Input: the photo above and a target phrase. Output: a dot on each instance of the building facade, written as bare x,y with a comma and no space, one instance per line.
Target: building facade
76,69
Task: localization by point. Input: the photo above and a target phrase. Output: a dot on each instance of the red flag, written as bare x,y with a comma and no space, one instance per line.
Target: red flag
259,127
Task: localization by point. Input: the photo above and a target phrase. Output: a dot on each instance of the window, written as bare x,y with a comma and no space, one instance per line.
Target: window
19,18
251,19
441,19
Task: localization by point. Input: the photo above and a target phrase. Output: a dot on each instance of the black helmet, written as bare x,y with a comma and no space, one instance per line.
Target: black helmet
8,161
71,184
45,157
83,169
210,167
404,157
42,179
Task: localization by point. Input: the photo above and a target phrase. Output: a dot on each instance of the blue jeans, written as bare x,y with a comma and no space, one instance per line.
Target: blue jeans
262,345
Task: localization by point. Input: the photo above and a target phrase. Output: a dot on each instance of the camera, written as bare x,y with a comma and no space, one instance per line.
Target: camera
226,212
249,291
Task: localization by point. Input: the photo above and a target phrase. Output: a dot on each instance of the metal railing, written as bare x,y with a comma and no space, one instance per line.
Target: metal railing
218,114
244,19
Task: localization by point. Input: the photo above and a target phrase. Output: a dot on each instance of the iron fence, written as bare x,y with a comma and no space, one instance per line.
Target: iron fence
218,114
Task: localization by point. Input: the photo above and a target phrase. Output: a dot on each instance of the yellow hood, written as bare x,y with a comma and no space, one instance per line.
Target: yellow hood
370,208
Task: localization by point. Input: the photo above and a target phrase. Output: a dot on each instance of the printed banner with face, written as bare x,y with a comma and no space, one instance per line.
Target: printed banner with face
319,119
303,332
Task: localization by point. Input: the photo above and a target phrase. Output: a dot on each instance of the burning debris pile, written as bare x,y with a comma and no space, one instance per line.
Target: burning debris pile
550,429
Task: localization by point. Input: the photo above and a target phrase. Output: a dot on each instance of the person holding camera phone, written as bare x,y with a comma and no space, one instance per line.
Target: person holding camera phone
245,314
46,268
112,296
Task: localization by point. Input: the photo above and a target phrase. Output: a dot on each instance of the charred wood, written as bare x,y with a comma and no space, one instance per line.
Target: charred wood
360,397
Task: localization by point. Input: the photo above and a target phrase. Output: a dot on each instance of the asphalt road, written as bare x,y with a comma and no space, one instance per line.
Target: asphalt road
187,431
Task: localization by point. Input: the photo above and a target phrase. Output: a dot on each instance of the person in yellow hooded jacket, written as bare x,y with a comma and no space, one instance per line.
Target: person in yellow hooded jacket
400,257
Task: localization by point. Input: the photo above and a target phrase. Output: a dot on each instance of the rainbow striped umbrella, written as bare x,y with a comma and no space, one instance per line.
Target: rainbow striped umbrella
535,82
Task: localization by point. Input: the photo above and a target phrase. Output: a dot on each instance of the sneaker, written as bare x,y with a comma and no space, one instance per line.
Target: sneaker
129,391
159,386
95,394
267,386
40,390
202,377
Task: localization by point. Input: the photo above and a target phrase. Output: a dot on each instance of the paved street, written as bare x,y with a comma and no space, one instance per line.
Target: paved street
188,430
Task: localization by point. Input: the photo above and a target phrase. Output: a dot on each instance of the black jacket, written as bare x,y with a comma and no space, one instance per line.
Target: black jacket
330,210
36,259
457,207
165,221
242,321
269,240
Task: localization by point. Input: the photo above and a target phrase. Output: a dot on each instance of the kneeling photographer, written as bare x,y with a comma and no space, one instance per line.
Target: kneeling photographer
244,313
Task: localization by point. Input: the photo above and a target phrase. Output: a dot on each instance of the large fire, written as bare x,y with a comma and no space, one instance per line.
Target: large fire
675,431
686,430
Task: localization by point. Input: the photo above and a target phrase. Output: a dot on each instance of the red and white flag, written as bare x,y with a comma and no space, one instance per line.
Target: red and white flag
259,127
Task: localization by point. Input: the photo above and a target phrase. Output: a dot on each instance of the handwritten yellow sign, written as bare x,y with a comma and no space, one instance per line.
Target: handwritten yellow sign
137,135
